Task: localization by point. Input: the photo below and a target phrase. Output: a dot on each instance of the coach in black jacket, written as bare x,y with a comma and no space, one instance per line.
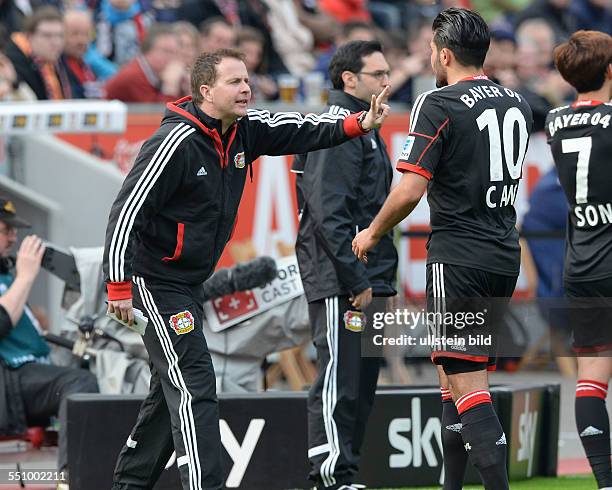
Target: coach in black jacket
340,190
166,232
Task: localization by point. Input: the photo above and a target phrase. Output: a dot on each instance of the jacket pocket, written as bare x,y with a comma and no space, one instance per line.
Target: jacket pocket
180,234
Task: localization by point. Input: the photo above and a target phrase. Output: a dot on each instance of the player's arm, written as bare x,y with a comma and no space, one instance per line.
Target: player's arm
287,133
400,203
419,159
154,178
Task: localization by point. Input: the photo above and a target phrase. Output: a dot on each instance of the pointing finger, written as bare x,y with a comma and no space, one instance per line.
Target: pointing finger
381,97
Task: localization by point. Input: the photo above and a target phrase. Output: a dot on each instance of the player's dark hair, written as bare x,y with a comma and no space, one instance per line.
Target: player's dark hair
465,33
584,58
349,57
204,71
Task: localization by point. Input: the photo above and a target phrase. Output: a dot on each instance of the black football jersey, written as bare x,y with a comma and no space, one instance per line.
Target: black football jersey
580,137
469,139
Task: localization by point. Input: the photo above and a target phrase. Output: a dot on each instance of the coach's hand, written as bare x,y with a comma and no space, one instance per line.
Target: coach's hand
123,309
363,243
378,111
363,299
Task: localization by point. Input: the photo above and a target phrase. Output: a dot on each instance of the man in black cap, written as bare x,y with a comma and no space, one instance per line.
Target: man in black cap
31,389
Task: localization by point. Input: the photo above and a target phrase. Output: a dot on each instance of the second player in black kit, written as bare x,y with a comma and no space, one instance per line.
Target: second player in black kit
580,137
466,145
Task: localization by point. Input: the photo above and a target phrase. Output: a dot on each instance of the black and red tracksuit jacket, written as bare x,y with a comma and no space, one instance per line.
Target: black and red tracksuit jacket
177,207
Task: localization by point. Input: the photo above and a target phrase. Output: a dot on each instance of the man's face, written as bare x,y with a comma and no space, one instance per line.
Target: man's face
221,36
47,40
253,51
231,93
373,77
8,237
440,71
164,51
501,55
188,48
78,29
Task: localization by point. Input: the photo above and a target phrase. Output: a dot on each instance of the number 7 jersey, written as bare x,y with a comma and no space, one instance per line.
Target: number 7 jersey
580,138
469,140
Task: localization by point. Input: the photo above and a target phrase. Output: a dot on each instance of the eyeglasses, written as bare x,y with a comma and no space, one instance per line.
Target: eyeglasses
8,231
378,74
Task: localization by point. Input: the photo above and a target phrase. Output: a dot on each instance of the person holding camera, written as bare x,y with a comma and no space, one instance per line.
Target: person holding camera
31,389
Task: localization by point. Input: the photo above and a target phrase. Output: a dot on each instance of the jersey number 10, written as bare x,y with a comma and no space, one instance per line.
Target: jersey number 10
513,116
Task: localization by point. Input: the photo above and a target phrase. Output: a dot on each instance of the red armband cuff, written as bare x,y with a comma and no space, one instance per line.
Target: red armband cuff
409,167
352,127
119,290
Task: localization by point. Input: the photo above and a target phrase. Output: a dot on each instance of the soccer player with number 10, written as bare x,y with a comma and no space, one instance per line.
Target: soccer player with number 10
466,145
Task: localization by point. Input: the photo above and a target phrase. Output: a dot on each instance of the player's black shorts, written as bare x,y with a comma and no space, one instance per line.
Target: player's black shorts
464,308
590,314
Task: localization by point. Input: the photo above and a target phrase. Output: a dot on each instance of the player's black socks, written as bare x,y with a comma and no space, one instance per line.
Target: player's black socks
455,456
484,438
593,427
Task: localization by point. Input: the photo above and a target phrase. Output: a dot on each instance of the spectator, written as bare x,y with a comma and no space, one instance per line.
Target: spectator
34,389
536,41
188,38
411,74
121,28
592,15
324,27
494,11
35,54
10,87
166,10
216,33
293,41
500,64
554,12
351,31
252,13
251,43
347,10
79,30
154,76
11,18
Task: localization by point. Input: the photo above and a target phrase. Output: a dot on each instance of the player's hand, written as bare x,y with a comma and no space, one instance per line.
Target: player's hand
378,111
363,299
123,309
363,243
29,258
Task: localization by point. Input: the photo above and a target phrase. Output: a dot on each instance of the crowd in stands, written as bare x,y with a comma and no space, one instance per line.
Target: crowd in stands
142,50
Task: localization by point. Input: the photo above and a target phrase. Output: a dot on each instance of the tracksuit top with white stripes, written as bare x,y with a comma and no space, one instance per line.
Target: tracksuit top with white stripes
177,207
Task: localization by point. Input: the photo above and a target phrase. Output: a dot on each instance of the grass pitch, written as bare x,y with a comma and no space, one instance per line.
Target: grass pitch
580,482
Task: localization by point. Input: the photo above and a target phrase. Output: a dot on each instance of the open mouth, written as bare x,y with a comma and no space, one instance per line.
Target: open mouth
242,102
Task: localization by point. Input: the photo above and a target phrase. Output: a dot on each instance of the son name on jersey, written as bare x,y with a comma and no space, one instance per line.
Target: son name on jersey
578,119
593,214
481,92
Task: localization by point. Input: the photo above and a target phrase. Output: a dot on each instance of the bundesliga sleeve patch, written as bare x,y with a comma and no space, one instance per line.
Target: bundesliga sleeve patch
406,149
182,322
354,321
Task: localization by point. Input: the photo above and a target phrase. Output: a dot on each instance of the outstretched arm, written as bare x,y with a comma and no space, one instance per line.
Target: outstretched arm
288,133
400,203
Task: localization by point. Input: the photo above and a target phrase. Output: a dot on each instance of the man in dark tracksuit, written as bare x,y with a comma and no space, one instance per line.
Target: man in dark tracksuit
341,189
166,232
